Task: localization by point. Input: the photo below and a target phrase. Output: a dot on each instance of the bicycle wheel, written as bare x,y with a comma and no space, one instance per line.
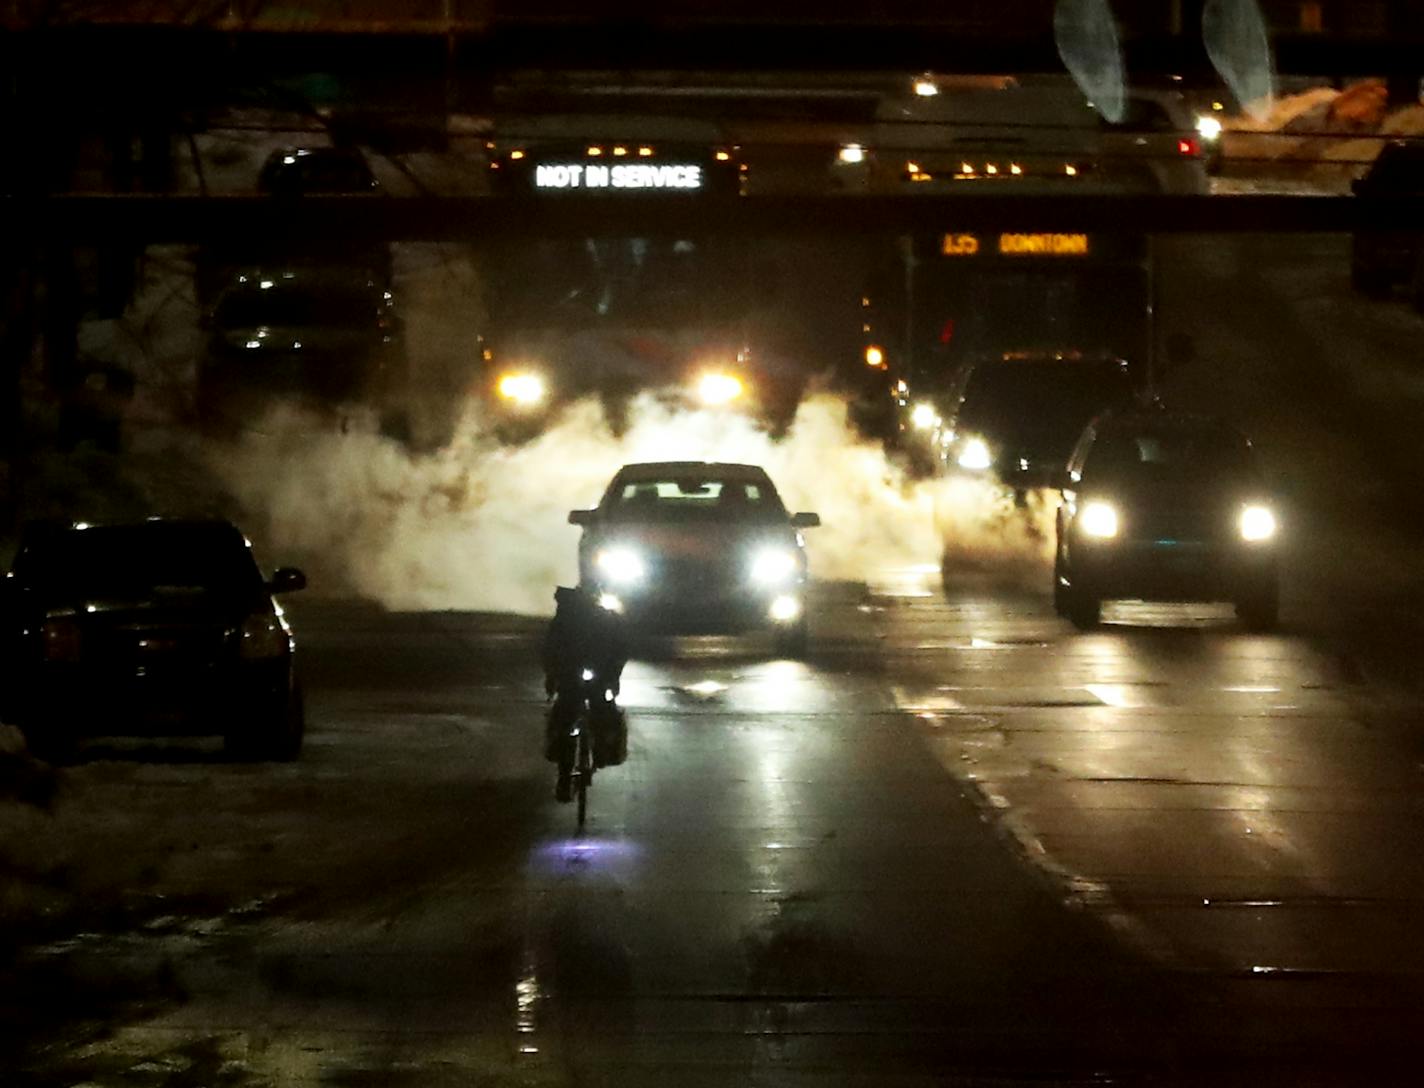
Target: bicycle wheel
583,771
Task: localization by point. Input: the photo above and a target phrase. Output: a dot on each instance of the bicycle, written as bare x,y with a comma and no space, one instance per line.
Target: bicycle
581,774
580,741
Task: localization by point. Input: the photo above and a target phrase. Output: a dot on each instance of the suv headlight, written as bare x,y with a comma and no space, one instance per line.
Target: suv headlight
263,636
621,566
1098,519
1256,523
773,566
974,455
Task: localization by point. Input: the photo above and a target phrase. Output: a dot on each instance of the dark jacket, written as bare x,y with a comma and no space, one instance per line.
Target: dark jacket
583,635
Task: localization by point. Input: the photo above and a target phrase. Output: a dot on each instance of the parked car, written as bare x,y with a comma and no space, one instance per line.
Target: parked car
150,628
694,547
1161,505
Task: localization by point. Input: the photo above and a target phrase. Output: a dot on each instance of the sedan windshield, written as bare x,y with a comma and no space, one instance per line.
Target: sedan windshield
694,498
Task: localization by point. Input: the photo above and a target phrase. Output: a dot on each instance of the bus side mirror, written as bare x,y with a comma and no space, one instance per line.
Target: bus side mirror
806,521
582,517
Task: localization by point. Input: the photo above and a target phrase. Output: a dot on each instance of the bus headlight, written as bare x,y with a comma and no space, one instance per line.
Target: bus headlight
773,566
621,566
524,388
715,388
1098,519
975,456
1256,523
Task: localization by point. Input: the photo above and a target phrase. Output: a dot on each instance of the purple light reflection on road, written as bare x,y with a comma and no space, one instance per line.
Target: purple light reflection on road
606,855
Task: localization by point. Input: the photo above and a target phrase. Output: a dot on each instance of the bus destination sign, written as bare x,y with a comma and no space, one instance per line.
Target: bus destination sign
1018,245
580,175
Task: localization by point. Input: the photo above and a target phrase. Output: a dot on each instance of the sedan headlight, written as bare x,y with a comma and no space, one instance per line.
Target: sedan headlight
523,388
621,566
773,566
974,455
263,636
1256,523
1098,519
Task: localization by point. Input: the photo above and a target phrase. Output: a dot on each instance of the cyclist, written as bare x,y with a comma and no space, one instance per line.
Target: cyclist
585,649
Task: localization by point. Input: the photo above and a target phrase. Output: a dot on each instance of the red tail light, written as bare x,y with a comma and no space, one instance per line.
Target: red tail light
1188,145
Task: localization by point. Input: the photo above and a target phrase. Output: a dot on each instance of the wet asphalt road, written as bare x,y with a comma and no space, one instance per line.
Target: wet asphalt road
960,841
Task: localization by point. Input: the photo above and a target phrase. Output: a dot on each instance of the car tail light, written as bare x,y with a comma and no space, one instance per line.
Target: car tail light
1187,145
61,639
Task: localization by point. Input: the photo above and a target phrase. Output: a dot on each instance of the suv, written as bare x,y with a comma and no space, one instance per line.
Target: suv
1160,505
1380,260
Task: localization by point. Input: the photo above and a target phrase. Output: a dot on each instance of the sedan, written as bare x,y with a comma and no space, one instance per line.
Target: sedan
693,547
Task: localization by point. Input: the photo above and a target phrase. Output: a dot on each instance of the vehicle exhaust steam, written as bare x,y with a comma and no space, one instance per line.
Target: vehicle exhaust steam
481,526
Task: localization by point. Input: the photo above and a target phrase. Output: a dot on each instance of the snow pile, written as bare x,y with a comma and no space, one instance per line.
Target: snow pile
1324,134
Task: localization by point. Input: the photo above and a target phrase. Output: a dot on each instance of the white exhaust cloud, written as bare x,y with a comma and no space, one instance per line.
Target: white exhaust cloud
482,526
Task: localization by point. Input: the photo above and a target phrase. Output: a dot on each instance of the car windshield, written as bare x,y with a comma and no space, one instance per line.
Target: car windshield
139,561
1171,455
694,498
